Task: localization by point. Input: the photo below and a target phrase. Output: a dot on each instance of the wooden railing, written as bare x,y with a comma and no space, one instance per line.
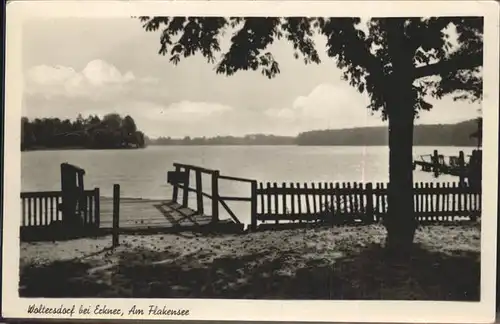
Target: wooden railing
213,194
348,202
326,202
40,209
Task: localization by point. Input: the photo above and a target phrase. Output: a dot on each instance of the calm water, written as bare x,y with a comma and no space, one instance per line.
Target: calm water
143,173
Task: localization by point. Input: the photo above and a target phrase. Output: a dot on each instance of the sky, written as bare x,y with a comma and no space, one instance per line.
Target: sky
100,66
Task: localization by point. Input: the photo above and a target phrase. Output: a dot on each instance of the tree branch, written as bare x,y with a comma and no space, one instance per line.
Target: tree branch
459,62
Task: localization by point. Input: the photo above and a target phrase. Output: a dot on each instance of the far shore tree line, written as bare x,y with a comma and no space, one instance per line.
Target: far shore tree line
111,132
459,134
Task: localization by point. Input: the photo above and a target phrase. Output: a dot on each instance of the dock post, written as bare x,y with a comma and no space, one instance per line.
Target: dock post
97,202
253,207
369,203
215,196
435,163
199,193
116,214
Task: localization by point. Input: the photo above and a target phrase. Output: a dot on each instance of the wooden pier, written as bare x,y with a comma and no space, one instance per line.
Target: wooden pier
457,166
150,215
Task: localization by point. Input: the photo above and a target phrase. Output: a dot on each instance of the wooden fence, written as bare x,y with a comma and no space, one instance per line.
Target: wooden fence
358,202
40,209
325,202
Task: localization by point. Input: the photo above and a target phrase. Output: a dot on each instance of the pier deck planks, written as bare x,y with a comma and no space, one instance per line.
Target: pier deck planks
146,213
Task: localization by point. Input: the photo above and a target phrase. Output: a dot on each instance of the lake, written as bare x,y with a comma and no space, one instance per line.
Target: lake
143,173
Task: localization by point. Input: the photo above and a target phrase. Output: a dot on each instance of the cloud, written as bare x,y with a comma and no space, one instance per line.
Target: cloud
99,80
197,119
185,111
328,106
341,106
448,111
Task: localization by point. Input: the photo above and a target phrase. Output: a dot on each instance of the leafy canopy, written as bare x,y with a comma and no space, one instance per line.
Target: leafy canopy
369,52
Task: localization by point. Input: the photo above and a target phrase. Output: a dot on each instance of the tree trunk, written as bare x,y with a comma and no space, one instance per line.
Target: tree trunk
400,221
400,100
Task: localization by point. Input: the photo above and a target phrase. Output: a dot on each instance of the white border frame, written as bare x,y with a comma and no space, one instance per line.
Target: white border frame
259,310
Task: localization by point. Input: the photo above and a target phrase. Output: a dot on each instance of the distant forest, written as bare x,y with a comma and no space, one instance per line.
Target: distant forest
111,132
459,134
257,139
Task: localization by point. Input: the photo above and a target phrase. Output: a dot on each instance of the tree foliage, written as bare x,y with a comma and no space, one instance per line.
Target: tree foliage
442,64
112,131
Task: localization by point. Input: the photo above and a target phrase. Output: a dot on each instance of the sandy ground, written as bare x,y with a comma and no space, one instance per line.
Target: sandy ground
327,263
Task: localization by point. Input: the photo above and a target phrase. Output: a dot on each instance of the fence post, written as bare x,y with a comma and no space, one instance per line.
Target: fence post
369,203
276,203
199,193
97,202
253,206
185,191
175,192
116,214
461,168
215,196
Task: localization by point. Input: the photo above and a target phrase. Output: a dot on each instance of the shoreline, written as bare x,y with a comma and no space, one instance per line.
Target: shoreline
225,145
79,148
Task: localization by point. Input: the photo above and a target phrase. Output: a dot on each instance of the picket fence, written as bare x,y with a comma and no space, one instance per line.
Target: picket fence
359,202
41,209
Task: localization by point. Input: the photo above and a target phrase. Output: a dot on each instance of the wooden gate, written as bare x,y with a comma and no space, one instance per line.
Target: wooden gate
74,204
